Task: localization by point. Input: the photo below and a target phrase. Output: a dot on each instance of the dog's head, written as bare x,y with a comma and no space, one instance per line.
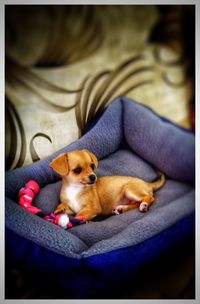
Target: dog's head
77,167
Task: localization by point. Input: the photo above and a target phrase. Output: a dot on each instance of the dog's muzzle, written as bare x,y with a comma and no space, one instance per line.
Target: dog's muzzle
92,179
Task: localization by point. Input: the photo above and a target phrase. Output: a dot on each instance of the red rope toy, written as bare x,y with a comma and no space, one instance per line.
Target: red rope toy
26,196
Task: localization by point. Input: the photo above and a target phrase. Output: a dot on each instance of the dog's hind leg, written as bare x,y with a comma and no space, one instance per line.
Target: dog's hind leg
145,198
123,208
146,202
143,201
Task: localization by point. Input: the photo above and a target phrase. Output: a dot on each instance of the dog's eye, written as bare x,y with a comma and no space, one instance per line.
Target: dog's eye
92,166
77,170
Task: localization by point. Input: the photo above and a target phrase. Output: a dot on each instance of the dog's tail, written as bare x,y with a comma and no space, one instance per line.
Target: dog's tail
159,183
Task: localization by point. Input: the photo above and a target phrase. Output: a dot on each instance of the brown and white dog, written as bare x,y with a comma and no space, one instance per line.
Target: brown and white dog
86,196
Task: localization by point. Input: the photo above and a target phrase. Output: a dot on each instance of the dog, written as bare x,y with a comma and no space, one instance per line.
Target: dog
86,196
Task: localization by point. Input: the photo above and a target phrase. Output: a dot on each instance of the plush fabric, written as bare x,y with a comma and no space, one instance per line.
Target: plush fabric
128,139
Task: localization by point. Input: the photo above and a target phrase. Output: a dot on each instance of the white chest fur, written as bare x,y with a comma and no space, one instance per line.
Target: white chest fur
72,194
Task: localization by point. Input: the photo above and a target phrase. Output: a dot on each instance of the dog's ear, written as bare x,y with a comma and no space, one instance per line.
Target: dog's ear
93,157
60,164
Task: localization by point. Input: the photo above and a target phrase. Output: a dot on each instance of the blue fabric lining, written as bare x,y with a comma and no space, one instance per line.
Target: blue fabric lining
98,274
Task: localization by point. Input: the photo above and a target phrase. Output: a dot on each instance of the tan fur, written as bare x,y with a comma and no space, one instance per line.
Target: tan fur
106,195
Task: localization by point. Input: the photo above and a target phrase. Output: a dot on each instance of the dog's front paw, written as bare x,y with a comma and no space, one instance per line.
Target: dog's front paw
62,208
144,207
58,211
117,210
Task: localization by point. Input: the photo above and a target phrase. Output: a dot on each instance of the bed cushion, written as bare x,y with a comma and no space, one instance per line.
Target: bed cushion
128,139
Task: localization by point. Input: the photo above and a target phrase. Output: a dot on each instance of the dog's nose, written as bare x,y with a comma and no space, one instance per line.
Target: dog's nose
92,178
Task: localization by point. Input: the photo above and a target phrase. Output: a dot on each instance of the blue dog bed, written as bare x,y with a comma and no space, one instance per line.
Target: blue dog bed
128,139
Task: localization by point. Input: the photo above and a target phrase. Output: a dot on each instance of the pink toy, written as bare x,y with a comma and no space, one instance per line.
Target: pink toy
61,220
26,196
